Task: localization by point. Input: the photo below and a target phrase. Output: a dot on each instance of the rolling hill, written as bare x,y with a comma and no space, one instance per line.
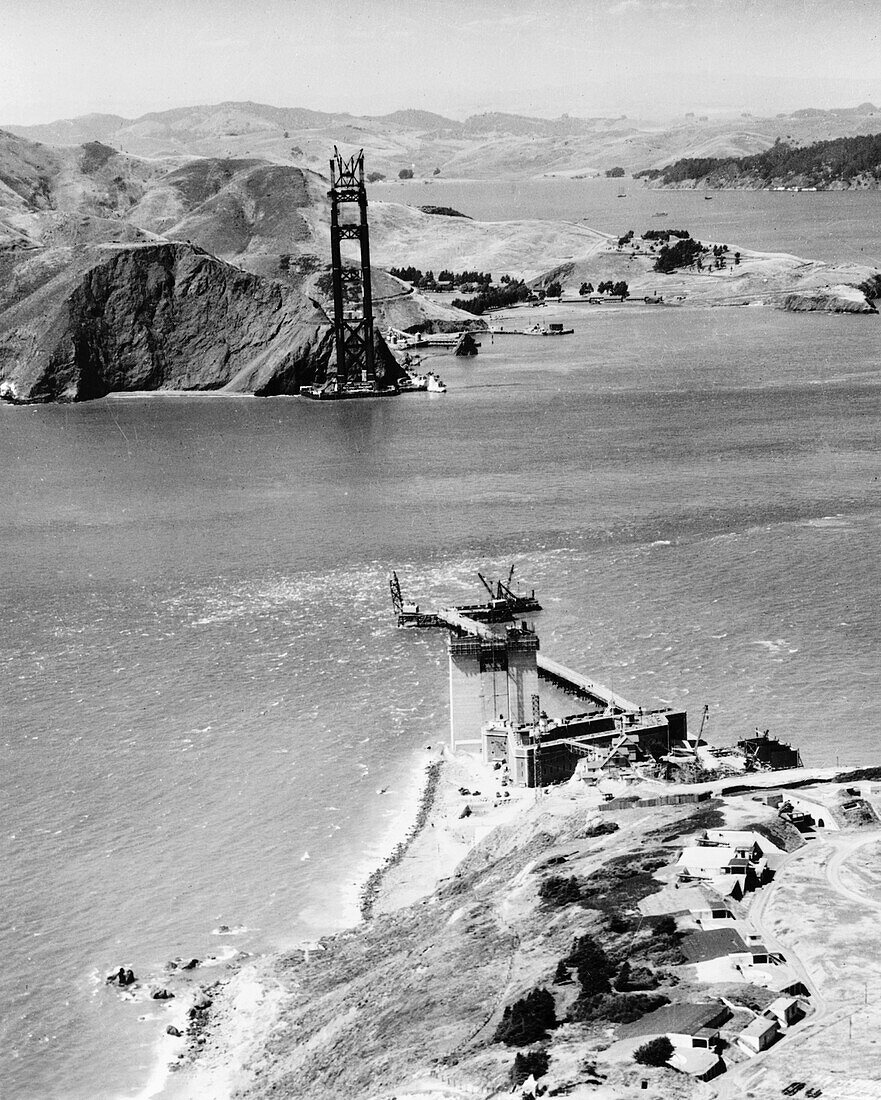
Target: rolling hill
489,145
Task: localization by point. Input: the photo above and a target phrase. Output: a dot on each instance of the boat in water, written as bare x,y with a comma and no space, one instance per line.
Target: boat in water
333,390
413,382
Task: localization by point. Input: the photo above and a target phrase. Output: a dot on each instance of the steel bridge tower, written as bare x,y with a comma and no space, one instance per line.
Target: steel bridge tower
352,298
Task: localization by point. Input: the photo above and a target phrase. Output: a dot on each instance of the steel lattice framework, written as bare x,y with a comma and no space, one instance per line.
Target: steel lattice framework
352,298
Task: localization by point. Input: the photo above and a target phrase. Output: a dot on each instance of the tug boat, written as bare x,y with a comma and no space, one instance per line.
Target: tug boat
413,383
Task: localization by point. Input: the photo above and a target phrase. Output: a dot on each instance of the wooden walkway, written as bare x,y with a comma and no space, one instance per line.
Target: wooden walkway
574,681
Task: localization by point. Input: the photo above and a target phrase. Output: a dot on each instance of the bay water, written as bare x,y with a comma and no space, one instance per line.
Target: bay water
203,689
819,225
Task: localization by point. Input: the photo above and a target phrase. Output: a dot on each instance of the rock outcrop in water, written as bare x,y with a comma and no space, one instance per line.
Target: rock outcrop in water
162,316
829,299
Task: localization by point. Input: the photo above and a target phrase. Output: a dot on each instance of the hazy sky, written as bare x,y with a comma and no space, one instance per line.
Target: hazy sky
61,58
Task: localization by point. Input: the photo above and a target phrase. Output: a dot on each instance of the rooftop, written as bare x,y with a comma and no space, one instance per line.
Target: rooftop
682,899
713,944
678,1019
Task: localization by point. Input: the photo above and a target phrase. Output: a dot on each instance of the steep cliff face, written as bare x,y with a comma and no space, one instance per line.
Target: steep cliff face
162,316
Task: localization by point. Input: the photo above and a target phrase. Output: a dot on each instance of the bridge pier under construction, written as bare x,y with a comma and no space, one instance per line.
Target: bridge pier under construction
495,666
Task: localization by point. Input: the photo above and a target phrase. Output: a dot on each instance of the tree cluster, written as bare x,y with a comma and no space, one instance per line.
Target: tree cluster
617,290
533,1063
626,239
664,234
615,173
428,281
513,291
375,177
554,289
527,1020
682,254
405,174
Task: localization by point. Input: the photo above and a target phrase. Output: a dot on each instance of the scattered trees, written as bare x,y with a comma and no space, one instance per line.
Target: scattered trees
616,290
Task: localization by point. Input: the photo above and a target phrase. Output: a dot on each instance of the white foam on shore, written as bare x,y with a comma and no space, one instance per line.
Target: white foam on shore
165,1048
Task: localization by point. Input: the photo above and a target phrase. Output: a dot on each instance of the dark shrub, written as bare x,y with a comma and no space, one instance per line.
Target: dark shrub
656,1052
617,1008
592,965
533,1062
527,1020
559,890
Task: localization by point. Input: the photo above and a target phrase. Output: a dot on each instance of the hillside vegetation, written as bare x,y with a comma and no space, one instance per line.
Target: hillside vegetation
842,162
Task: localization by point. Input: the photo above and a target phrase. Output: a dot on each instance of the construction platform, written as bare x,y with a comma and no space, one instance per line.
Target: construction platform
495,665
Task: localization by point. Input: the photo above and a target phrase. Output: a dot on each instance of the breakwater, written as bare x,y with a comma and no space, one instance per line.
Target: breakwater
373,885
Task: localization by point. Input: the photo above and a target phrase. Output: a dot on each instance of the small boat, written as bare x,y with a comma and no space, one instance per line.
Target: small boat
660,214
413,382
435,385
708,198
622,196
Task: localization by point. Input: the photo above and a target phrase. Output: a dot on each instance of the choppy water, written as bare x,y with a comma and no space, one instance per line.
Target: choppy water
202,682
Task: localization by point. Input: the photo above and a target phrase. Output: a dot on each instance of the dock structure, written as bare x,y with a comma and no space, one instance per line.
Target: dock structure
494,668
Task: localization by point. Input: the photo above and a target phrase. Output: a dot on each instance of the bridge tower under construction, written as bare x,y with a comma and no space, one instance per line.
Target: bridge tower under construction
352,297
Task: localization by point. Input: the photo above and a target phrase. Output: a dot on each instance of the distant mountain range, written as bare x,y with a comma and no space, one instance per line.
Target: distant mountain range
491,145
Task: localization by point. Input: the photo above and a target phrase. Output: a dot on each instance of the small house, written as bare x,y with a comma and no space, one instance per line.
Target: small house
719,943
702,904
785,1010
758,1035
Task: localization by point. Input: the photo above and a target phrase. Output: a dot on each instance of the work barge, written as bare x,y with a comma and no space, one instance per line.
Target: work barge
495,665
